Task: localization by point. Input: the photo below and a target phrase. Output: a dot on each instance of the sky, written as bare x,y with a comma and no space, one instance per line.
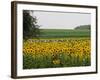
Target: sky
61,20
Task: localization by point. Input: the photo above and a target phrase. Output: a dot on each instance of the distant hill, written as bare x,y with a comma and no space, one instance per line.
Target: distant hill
85,27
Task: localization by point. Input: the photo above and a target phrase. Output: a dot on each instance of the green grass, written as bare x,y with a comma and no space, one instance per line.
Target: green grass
57,33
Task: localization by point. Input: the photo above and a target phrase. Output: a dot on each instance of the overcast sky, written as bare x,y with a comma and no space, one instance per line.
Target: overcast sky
58,20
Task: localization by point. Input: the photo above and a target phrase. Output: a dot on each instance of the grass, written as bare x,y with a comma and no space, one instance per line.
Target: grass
56,33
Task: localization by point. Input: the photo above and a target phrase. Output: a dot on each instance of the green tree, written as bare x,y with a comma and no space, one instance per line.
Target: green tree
30,27
83,27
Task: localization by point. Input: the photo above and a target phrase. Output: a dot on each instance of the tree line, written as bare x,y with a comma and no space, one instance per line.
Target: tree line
30,27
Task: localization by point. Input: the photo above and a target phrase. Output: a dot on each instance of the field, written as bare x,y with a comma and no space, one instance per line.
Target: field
61,33
57,48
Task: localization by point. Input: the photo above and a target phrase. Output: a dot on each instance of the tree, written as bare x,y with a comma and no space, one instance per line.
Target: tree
83,27
30,27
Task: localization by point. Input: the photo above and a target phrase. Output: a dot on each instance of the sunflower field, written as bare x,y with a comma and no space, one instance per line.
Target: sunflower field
56,52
